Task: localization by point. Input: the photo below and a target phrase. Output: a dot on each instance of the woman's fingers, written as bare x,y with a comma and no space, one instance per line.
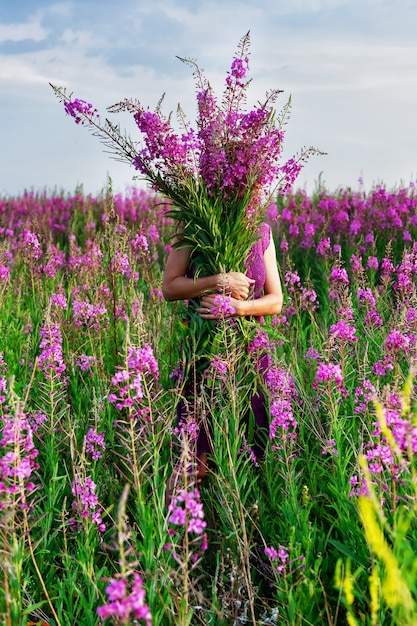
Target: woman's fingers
239,285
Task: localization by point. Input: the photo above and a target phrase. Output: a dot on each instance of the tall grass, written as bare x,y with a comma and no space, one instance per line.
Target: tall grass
321,530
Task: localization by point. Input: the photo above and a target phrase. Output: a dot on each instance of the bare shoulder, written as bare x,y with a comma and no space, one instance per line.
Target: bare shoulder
178,261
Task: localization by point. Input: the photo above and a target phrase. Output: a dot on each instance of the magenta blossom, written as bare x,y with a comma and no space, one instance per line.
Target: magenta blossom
78,109
343,332
126,601
186,510
222,306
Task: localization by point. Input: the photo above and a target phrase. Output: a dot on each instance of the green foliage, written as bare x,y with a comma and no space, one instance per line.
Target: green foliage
341,556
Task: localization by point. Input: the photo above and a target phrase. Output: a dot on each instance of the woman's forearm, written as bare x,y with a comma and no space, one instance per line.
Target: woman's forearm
182,287
270,304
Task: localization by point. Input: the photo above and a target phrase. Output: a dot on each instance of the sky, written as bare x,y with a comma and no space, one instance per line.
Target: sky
349,66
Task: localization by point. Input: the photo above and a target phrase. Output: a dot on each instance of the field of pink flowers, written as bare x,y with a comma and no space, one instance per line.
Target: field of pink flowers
320,531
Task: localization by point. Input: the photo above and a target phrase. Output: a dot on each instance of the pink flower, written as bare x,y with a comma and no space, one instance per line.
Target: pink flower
372,263
187,510
343,332
222,306
280,558
18,461
86,500
338,275
126,601
78,109
93,442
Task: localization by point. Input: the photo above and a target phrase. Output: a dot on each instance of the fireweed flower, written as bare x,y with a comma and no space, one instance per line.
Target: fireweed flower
120,312
78,109
411,316
36,421
259,342
32,245
281,560
51,359
222,306
156,295
323,248
86,502
153,233
85,362
346,314
56,261
126,601
372,263
373,318
282,391
186,510
380,368
312,355
396,345
186,513
404,273
140,246
129,382
218,368
329,375
309,300
388,460
365,297
339,281
304,298
59,300
177,373
387,268
120,263
370,239
188,428
4,274
17,462
330,448
309,233
364,395
246,449
272,213
397,341
3,380
342,332
291,170
90,262
238,70
91,316
356,264
94,444
338,275
292,281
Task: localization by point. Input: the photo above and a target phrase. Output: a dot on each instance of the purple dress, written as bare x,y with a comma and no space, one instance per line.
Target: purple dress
255,269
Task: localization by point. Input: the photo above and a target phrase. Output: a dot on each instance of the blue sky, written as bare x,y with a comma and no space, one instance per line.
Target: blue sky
350,67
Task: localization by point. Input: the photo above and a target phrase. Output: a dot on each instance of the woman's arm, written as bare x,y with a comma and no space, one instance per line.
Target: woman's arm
268,304
177,286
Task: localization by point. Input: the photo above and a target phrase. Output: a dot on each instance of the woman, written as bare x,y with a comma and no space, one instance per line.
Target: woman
261,278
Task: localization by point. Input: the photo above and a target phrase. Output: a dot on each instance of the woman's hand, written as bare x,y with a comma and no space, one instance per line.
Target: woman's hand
235,284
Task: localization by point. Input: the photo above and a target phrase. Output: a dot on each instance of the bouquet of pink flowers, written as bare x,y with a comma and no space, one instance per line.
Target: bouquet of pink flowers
219,176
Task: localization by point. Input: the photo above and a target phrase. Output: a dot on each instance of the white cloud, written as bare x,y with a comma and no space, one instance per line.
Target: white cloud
30,30
20,71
